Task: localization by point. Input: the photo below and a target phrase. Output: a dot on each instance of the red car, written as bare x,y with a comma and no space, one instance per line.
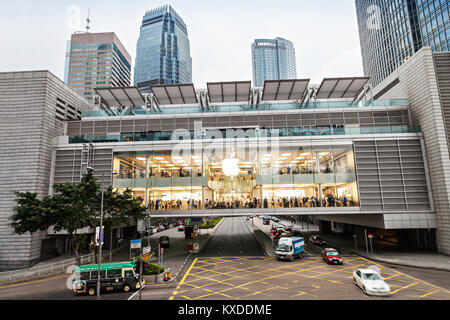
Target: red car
331,256
181,228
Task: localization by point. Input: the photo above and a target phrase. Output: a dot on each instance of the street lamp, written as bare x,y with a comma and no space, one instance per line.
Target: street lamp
100,237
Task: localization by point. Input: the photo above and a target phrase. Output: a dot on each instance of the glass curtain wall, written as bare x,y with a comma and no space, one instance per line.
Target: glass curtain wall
230,178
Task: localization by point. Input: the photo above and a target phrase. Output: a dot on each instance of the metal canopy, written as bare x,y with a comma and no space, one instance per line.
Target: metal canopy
121,97
341,87
284,89
236,91
175,94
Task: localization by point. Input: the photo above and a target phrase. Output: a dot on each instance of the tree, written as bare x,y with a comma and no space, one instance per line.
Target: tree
73,207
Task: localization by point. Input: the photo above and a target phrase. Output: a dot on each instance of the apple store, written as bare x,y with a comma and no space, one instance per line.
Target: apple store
232,178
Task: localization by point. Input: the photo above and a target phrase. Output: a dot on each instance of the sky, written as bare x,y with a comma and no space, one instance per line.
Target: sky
33,33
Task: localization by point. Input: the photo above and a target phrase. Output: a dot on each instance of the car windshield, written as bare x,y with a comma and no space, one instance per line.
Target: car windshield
332,253
371,276
283,247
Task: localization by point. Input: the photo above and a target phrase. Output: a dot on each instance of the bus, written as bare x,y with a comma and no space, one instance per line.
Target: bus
119,276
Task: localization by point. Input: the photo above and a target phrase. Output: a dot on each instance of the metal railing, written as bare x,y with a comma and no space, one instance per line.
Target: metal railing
43,271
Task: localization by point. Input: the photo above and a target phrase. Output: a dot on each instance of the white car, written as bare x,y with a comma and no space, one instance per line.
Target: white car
371,282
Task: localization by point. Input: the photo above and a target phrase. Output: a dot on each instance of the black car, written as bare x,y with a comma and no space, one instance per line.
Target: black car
164,242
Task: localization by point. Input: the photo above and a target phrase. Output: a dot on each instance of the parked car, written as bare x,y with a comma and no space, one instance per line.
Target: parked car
317,240
275,219
181,228
370,282
330,255
164,242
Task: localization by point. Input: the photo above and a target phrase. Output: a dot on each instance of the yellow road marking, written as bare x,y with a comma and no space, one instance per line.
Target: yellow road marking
403,288
427,294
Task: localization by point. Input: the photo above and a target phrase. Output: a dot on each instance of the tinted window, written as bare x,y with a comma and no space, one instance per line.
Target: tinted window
128,274
115,273
95,274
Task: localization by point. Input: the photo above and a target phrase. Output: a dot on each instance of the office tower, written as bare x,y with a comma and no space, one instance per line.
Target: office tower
392,31
163,50
97,60
273,59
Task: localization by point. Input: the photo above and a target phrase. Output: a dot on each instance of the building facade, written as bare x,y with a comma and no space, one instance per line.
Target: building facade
392,31
273,59
423,80
33,109
163,50
361,164
97,60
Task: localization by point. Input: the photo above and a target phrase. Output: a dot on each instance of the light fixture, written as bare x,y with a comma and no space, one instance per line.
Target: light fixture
305,154
141,158
285,154
323,153
159,158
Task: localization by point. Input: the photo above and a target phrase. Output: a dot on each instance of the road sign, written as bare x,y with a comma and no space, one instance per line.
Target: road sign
135,244
370,236
97,231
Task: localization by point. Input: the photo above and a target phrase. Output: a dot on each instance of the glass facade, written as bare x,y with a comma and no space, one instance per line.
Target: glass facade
163,50
226,178
273,59
392,31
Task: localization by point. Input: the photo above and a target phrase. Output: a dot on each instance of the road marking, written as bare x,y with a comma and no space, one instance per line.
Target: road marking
403,288
430,293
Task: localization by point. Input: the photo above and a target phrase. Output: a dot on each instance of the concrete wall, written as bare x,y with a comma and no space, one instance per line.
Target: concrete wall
28,125
418,83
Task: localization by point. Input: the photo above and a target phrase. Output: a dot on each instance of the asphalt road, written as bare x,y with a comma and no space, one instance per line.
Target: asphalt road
232,238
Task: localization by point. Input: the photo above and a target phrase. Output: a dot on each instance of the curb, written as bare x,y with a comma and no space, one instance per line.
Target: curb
393,263
260,243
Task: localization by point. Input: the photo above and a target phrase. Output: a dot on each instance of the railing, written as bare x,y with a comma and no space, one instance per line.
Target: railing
263,133
38,272
246,107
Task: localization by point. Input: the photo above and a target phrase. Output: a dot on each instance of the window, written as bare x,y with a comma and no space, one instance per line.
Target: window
128,274
115,273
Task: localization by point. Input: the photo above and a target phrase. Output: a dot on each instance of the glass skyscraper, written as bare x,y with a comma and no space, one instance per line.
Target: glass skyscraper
392,31
163,50
273,59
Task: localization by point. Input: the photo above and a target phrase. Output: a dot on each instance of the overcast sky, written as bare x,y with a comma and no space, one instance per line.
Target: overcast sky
324,32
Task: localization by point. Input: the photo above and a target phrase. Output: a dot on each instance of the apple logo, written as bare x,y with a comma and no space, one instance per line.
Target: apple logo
230,166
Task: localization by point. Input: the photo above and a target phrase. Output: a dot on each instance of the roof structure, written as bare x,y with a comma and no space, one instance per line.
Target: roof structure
235,91
333,88
284,89
121,97
175,94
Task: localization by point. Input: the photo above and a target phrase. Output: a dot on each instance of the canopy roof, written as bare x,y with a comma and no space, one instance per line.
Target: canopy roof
175,94
121,97
284,89
235,91
341,87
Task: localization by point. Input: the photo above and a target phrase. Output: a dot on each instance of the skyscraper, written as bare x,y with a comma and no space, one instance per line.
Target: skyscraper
97,60
273,59
163,50
392,31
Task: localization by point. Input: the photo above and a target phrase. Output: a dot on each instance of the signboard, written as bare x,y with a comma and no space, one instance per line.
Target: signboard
97,232
135,244
187,222
146,250
370,236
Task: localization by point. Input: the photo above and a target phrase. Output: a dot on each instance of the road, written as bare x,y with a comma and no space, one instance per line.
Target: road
232,238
